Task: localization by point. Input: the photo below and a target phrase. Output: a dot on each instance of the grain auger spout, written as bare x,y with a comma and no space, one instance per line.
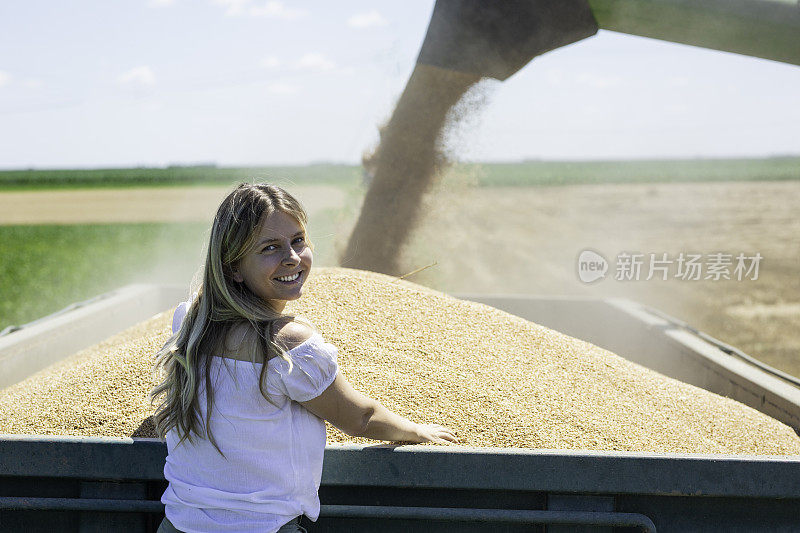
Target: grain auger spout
472,39
496,39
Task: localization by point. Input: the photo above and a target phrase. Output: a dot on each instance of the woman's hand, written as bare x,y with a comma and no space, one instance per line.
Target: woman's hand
435,433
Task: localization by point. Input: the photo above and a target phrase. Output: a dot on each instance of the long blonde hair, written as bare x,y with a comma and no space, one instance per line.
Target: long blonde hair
220,303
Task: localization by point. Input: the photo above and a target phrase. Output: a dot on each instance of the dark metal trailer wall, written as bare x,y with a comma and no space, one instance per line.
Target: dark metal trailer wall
102,484
90,484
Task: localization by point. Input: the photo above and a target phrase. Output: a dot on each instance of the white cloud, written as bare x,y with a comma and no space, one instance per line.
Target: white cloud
233,7
32,83
280,87
160,3
269,9
315,62
270,62
142,75
367,20
278,10
5,78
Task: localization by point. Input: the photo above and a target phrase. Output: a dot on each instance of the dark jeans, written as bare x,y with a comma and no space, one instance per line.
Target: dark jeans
292,526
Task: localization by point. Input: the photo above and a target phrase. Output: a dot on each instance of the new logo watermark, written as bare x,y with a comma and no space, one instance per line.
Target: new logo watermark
592,266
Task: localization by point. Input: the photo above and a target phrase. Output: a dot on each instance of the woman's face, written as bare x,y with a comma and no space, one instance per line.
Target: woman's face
276,268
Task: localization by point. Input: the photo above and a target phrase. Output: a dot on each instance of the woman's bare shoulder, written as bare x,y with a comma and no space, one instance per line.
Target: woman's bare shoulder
291,332
241,341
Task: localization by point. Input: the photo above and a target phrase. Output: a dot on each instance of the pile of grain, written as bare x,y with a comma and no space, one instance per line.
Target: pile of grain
498,380
100,391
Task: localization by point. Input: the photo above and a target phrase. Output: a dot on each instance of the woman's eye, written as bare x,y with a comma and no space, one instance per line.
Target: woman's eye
273,247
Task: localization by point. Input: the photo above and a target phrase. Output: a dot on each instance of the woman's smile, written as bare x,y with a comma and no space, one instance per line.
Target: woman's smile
291,278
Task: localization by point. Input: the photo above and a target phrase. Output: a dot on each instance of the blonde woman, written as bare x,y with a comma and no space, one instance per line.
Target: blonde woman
247,387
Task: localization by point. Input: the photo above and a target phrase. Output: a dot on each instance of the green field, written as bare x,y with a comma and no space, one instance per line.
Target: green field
529,173
45,268
322,174
534,173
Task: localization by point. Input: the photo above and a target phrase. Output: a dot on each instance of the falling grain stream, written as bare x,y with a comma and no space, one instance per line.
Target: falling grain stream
407,162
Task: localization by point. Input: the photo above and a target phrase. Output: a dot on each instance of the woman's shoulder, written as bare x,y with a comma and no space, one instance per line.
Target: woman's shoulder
243,342
291,332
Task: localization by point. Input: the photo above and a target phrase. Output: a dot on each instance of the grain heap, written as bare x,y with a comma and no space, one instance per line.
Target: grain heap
100,391
498,380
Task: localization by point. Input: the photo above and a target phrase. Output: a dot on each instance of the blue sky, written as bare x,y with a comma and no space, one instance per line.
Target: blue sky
241,82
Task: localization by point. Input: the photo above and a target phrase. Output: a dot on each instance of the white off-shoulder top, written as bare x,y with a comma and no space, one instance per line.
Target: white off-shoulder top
273,453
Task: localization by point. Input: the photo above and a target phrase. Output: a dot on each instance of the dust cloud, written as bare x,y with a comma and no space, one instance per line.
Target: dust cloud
526,240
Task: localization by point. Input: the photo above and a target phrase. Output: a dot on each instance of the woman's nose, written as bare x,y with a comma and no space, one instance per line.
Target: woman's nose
292,257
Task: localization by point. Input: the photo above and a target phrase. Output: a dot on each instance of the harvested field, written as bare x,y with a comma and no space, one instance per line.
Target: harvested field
496,379
162,204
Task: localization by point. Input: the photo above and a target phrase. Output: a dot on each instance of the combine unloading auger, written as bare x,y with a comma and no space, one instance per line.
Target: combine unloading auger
471,39
495,39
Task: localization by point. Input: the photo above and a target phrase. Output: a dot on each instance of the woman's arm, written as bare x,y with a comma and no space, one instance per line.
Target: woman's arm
361,416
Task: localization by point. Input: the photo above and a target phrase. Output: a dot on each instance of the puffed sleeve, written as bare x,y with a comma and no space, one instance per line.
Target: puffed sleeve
313,369
177,318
